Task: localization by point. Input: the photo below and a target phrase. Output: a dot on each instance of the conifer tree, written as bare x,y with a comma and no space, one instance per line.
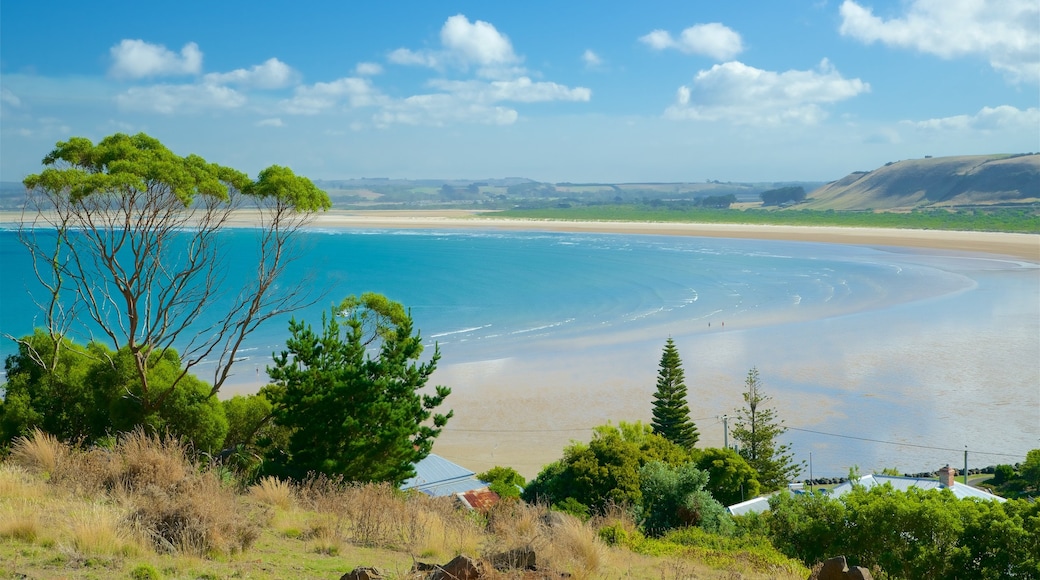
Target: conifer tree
756,430
671,412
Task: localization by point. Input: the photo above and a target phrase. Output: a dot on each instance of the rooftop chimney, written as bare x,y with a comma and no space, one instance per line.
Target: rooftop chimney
946,476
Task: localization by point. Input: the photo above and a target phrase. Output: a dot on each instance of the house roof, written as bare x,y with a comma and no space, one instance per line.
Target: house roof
437,477
754,505
959,490
761,503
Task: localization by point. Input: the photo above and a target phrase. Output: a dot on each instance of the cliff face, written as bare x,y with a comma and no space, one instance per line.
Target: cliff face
935,182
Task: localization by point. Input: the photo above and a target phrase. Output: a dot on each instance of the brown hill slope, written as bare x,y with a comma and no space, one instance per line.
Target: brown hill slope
935,182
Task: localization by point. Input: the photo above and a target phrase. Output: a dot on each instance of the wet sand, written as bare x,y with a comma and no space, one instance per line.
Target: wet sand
1025,246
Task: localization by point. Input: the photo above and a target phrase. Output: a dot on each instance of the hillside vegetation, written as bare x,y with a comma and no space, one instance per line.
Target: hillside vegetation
939,182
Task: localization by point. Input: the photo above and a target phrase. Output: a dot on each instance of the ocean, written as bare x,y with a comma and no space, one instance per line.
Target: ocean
874,357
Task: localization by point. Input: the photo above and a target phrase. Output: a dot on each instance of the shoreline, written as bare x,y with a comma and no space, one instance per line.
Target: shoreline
1018,245
1025,246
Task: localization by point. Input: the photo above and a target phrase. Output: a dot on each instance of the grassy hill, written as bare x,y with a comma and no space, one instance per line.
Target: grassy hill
940,182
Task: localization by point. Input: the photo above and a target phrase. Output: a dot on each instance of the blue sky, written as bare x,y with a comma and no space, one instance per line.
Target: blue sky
554,91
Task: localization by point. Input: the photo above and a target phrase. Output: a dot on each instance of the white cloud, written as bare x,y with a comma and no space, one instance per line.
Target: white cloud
522,90
139,59
466,44
319,97
272,74
367,69
442,109
987,119
591,59
274,122
477,42
713,39
10,98
169,99
739,93
1005,32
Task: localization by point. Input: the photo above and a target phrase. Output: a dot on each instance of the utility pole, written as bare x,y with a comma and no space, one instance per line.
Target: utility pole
725,431
965,465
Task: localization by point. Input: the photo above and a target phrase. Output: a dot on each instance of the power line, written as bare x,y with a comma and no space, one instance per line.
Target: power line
452,429
898,443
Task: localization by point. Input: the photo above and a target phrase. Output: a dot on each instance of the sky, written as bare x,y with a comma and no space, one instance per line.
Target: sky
568,90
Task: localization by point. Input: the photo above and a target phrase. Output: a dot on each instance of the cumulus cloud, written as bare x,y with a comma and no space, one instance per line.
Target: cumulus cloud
736,92
1004,32
591,59
367,69
169,99
466,44
713,39
272,74
987,119
442,109
138,59
521,90
352,92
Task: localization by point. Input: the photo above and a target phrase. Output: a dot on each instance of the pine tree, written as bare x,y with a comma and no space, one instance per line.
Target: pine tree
756,430
671,412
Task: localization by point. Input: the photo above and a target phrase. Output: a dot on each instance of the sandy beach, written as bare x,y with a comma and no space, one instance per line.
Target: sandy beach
1025,246
967,359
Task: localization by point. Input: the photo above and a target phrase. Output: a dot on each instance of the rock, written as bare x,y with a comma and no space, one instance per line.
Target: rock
424,567
460,568
362,573
515,559
858,573
833,569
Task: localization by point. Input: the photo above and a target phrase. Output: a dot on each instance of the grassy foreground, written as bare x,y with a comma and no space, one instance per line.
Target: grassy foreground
144,509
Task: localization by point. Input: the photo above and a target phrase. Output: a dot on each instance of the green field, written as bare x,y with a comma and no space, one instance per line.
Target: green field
999,220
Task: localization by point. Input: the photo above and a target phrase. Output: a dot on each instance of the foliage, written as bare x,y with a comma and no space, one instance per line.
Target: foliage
730,478
675,497
123,238
1030,469
671,412
911,534
1003,473
505,481
92,392
756,429
604,471
1025,220
782,195
350,394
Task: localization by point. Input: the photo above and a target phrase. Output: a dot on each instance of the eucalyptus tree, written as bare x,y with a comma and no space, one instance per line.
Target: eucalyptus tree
124,236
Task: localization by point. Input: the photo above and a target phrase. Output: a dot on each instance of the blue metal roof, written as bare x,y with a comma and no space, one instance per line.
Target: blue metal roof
439,477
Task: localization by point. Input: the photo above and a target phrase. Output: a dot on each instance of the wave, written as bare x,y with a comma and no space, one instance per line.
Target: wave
461,331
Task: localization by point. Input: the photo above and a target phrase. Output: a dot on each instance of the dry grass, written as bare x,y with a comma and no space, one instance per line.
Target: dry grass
99,530
274,492
20,520
145,500
38,452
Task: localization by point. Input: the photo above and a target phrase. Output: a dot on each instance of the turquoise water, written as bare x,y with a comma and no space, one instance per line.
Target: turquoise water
546,334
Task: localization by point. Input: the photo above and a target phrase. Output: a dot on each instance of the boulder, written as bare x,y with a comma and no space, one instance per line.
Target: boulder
460,568
362,573
515,559
858,573
833,569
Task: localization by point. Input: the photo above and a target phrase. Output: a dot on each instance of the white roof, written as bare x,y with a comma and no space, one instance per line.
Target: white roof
959,490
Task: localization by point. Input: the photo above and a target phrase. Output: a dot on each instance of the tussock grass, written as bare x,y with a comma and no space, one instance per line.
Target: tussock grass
274,492
145,502
38,452
99,530
20,520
